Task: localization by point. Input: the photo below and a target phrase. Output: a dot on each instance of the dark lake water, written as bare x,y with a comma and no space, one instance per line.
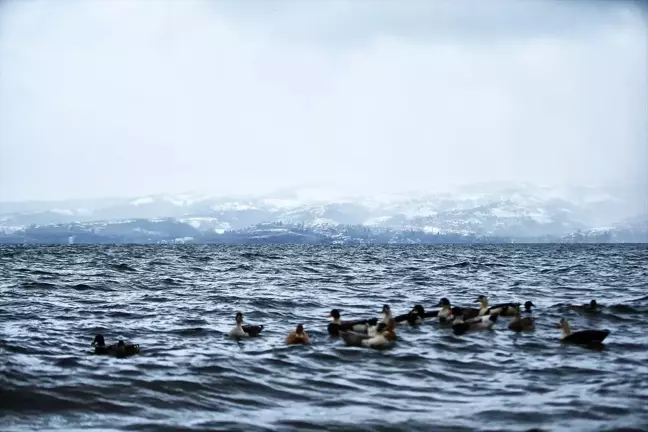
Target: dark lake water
179,303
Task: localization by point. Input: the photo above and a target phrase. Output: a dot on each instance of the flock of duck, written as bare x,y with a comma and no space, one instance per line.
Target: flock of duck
381,333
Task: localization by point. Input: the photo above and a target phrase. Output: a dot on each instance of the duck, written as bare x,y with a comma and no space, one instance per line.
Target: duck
581,337
384,338
241,331
413,317
387,317
298,336
467,312
528,305
482,322
447,312
502,309
335,327
519,324
120,349
592,306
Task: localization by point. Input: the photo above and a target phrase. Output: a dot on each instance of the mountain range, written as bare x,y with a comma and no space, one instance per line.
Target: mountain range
474,213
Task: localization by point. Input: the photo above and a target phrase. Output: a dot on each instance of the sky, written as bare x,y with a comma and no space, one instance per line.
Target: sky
122,98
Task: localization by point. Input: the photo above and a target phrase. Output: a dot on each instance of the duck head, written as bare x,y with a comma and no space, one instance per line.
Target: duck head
418,310
239,318
372,321
593,305
335,314
99,341
386,310
299,329
444,303
528,305
483,300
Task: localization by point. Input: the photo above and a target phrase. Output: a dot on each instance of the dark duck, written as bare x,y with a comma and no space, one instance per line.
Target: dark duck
120,349
591,307
242,331
527,306
519,324
581,337
359,326
413,317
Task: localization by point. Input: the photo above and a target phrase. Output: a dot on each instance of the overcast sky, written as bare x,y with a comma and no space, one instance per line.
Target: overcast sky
113,98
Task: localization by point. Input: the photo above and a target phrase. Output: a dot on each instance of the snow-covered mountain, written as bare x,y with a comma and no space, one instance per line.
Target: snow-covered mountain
511,210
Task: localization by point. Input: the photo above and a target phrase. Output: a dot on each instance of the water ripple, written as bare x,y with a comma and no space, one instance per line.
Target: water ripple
178,303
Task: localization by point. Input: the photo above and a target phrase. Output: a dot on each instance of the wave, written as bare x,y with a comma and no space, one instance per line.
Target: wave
190,375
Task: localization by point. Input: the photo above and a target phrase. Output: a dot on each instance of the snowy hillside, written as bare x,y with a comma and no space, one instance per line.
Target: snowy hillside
491,210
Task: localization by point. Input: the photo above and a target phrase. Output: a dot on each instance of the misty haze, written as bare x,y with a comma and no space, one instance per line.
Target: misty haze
325,215
267,106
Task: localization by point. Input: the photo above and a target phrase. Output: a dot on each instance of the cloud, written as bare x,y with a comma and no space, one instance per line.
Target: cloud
121,98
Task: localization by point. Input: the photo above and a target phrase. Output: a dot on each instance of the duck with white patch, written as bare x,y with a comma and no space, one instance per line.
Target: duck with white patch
484,322
337,326
413,317
581,337
387,317
447,313
384,338
244,331
503,309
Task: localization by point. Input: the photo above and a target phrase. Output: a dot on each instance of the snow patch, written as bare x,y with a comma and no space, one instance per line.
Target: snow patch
503,213
142,201
379,220
323,222
62,211
235,206
431,230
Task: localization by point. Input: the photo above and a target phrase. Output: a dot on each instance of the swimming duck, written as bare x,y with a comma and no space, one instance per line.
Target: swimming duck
120,349
502,309
528,305
298,336
241,330
447,312
483,322
582,337
384,338
505,309
337,325
387,317
591,307
520,324
413,317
